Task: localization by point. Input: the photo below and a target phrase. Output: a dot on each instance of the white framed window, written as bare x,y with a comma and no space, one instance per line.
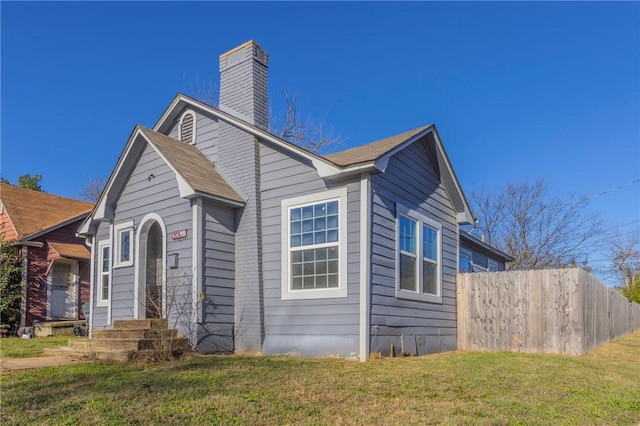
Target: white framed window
419,257
187,127
103,289
123,253
314,246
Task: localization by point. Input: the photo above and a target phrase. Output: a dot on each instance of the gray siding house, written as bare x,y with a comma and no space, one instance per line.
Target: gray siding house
247,243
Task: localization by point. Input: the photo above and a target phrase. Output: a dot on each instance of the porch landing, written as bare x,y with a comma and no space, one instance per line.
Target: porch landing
55,328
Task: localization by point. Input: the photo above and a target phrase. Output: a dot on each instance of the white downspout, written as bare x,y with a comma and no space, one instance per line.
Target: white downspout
365,267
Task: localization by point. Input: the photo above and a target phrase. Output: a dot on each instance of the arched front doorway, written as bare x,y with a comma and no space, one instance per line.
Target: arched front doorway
150,272
153,273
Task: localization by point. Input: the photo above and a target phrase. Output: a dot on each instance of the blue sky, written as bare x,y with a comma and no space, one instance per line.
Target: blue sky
518,91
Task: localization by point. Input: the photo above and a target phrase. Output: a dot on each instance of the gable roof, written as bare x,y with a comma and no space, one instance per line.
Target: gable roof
196,175
70,251
372,158
193,166
33,213
371,151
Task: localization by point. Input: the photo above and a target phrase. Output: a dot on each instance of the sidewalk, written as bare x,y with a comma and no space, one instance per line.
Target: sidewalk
13,364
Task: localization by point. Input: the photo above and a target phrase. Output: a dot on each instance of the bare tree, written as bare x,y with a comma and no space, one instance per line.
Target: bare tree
538,230
625,255
205,92
92,189
295,128
305,132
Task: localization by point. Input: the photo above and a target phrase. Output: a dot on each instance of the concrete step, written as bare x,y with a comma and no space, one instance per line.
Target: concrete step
109,355
133,333
152,323
129,344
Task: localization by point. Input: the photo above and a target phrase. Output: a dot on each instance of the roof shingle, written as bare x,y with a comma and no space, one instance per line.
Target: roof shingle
371,151
193,166
34,211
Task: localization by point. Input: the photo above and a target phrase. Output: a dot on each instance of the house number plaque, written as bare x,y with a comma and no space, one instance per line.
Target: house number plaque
179,234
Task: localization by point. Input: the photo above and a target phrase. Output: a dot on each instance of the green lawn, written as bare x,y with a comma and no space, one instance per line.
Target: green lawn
16,347
602,388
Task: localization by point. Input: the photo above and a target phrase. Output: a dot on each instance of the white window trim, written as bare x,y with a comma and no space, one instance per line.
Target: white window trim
119,229
100,302
193,133
287,293
421,222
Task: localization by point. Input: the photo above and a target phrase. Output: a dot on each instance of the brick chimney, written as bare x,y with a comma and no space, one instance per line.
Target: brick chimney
243,93
243,83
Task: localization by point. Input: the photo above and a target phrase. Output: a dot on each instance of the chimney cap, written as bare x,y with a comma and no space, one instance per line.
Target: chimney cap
242,46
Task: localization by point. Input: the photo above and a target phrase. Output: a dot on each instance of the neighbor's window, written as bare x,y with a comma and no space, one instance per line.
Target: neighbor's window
419,265
465,262
104,274
124,244
188,127
314,241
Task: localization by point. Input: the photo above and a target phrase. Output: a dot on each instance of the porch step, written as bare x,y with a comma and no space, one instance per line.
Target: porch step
150,324
110,355
128,339
129,344
135,333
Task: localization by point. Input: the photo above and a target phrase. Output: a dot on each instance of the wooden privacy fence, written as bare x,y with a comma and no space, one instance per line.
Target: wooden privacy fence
565,311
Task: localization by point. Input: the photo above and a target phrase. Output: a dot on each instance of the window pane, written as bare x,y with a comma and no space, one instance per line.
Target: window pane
465,263
332,222
307,212
408,275
321,281
125,237
332,207
296,227
430,279
296,214
308,282
407,235
321,223
332,236
313,270
105,287
105,259
430,243
332,281
320,210
307,239
296,241
320,237
307,225
296,283
296,269
332,253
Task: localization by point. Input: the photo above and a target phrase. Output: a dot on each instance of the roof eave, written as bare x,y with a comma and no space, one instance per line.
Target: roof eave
53,228
232,203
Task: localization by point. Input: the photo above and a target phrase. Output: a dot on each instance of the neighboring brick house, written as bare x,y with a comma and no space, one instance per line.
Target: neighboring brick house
56,263
248,243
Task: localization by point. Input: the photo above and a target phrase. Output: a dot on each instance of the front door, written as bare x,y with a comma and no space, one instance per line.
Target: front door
153,272
63,291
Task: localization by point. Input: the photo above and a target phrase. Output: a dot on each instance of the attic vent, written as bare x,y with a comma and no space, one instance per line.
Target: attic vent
188,127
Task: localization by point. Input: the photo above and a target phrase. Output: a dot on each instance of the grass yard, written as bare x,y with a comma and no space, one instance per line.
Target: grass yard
602,388
15,347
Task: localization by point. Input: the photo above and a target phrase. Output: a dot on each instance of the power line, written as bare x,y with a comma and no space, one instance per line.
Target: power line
610,190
